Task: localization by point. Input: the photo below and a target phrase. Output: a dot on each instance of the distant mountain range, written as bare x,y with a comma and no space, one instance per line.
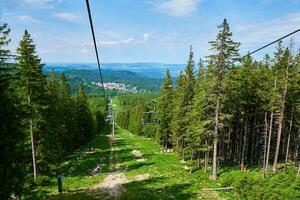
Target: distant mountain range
150,70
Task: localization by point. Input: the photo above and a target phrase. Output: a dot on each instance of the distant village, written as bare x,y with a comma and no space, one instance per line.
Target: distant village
117,86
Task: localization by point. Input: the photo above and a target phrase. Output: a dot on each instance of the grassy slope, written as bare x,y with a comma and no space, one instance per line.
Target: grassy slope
167,177
77,183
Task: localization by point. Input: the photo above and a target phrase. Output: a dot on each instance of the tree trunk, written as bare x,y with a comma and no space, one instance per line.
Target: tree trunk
32,142
282,107
206,158
253,134
265,142
297,146
244,144
271,126
288,141
216,138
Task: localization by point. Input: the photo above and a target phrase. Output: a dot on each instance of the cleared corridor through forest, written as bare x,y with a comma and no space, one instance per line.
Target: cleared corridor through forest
136,168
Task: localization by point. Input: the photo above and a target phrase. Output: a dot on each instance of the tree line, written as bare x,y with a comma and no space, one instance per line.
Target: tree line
233,111
41,122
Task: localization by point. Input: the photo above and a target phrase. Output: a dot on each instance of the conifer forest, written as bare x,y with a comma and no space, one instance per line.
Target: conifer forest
226,126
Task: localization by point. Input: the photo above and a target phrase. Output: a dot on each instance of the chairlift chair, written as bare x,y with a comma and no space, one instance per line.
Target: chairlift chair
148,118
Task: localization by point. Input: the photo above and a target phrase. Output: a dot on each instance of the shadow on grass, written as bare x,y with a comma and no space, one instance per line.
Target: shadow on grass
151,189
135,190
82,162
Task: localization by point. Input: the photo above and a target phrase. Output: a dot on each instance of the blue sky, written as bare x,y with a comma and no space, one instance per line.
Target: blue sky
145,30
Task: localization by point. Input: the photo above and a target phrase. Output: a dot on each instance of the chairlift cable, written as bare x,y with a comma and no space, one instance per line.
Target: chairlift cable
96,49
269,44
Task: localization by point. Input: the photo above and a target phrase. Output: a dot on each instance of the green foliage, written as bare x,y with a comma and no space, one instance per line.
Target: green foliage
39,112
43,180
182,106
83,119
164,105
130,112
12,167
131,79
253,186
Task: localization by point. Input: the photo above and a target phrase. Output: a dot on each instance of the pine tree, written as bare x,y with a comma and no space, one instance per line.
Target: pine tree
188,94
274,100
198,133
164,105
176,123
12,167
84,119
51,142
284,70
226,51
31,88
66,112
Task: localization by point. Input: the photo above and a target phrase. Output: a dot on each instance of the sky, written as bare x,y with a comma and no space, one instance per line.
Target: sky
145,30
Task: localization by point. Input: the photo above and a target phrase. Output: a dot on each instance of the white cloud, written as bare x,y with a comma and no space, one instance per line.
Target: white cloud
268,30
67,16
42,3
28,19
116,42
177,8
85,48
147,36
257,34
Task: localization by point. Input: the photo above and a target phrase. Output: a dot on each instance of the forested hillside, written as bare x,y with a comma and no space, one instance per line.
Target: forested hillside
232,111
41,122
145,69
142,83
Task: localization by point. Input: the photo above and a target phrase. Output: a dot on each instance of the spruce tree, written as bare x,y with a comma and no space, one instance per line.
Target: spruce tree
185,96
164,106
51,142
66,112
31,88
226,52
84,119
177,112
198,133
12,167
284,71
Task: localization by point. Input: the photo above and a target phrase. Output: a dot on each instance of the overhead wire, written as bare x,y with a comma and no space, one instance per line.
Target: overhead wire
96,49
273,42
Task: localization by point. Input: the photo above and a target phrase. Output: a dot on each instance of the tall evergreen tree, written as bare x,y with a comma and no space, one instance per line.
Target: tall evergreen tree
51,146
274,100
12,166
284,71
198,133
164,106
31,87
84,119
176,123
66,112
226,51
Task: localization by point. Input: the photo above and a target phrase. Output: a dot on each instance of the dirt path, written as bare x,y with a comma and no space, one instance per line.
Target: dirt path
112,184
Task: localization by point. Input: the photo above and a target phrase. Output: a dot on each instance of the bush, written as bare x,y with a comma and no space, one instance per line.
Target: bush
253,186
42,180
